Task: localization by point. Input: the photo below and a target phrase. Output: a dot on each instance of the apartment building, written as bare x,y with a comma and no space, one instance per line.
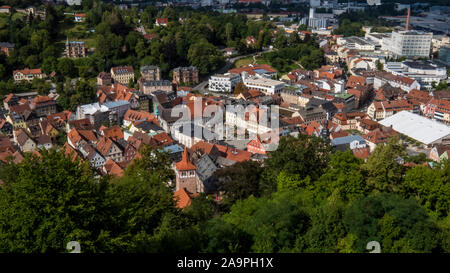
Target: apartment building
122,74
185,75
151,73
224,82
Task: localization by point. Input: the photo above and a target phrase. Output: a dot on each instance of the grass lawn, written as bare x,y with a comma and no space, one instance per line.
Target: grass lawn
353,132
243,62
90,42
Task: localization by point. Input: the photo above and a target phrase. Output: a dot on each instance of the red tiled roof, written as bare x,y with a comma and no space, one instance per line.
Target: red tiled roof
113,168
355,80
162,20
185,164
114,132
182,198
8,98
28,71
362,153
163,139
338,134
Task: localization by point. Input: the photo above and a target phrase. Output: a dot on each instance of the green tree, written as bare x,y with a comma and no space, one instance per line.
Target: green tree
303,156
66,67
48,201
399,225
205,56
383,169
239,181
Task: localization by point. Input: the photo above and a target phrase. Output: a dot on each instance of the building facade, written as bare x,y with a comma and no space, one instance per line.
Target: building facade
224,82
122,74
185,75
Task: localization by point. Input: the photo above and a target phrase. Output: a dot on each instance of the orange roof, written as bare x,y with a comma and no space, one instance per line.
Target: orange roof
338,134
182,198
133,115
113,132
8,98
163,139
355,80
185,164
362,153
162,20
42,99
113,168
422,96
64,116
234,154
28,71
76,135
68,150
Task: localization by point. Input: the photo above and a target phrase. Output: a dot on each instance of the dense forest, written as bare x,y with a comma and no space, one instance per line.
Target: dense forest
305,198
190,38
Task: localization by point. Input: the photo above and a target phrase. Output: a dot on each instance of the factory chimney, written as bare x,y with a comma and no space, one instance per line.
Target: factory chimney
407,19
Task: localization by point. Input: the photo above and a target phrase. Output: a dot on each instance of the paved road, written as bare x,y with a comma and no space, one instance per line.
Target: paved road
201,87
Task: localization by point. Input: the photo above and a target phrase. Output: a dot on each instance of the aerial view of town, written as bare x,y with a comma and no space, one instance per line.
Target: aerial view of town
224,126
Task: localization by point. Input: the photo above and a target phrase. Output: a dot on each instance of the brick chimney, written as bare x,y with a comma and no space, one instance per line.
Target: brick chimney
407,19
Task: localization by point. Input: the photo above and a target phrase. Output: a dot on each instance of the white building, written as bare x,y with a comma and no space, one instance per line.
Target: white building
405,83
73,2
267,86
224,82
358,43
377,38
420,128
424,72
409,43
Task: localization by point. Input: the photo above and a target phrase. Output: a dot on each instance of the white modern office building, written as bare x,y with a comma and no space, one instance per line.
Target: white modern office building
358,43
424,72
409,43
267,86
224,82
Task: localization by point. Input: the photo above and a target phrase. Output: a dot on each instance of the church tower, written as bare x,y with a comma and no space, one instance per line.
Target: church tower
186,175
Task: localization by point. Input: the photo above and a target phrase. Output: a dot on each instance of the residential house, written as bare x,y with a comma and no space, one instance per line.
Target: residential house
25,143
379,135
75,49
438,109
44,142
104,78
5,9
148,87
28,74
110,149
92,155
405,83
6,48
348,121
112,168
150,73
161,22
348,142
43,106
185,75
379,110
79,17
122,74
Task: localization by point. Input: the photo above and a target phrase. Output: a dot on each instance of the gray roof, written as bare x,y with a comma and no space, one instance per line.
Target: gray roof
205,167
157,83
6,44
347,140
